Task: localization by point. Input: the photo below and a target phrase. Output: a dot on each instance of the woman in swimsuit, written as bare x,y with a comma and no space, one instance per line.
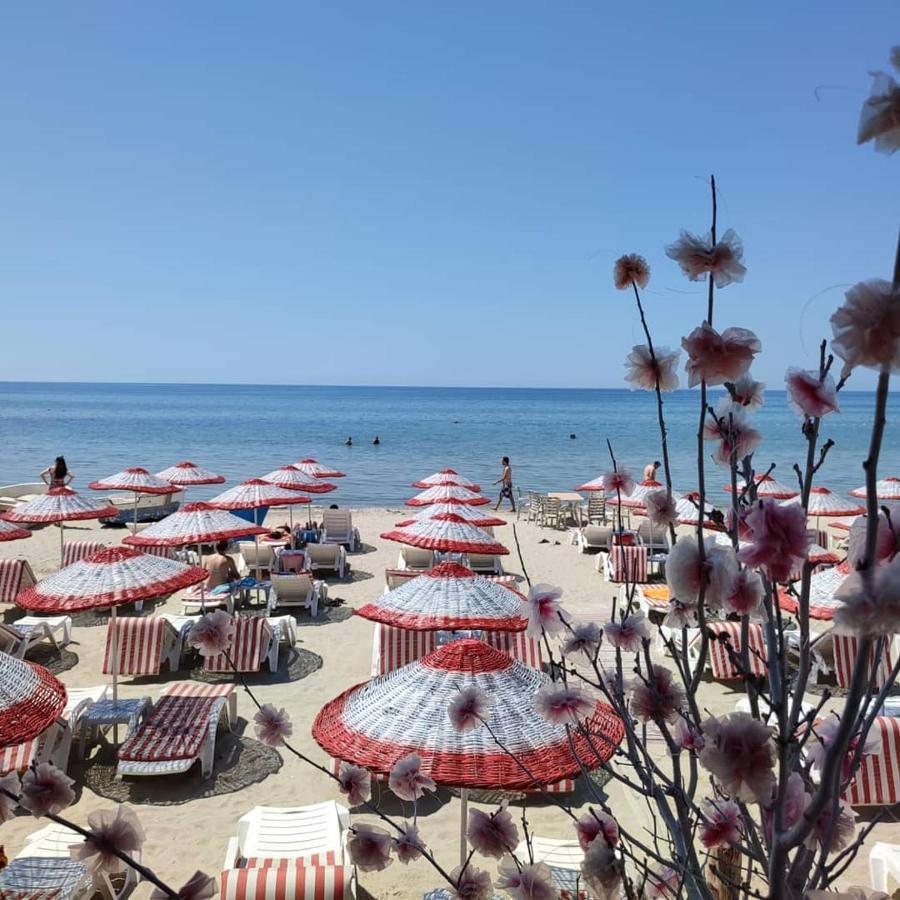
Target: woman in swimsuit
57,475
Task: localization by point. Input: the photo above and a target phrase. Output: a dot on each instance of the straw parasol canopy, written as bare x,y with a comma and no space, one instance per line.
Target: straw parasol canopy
195,523
136,480
110,577
767,486
11,532
256,493
595,484
186,474
31,699
471,514
292,479
449,597
405,711
446,476
448,533
885,489
447,493
316,469
823,502
637,498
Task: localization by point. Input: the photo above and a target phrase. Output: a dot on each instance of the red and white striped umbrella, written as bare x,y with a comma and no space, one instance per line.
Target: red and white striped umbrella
819,555
446,476
595,484
136,480
195,523
449,597
110,577
885,489
471,514
292,479
448,533
405,711
447,493
823,502
316,469
767,486
255,494
636,499
31,699
10,532
186,474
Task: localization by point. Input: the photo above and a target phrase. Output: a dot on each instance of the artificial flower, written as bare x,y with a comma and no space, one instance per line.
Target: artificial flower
355,783
618,481
273,726
656,696
721,823
698,256
738,751
492,834
796,799
716,358
645,368
824,734
212,633
887,541
680,614
838,836
46,789
736,437
686,737
879,119
469,708
369,848
408,845
870,613
593,824
867,327
562,704
779,538
746,594
542,605
584,637
111,831
661,510
631,269
407,780
470,883
9,784
531,882
687,575
664,883
811,396
748,392
601,869
629,633
199,886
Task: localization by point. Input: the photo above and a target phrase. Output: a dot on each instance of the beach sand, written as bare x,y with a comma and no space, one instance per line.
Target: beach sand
190,835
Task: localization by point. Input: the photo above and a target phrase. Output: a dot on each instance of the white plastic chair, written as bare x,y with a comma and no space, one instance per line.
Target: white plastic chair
330,557
296,590
337,528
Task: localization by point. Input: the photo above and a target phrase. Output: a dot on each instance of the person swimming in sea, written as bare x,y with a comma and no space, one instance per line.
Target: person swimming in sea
377,441
348,442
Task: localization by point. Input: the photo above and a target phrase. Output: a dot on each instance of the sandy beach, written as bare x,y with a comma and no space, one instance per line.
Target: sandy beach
186,834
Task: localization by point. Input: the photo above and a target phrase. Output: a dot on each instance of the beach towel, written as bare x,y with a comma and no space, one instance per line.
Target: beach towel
176,729
877,781
846,648
10,579
141,645
18,757
288,883
724,662
628,564
249,647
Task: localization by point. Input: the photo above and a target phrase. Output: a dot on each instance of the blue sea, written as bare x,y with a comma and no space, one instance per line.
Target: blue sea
243,431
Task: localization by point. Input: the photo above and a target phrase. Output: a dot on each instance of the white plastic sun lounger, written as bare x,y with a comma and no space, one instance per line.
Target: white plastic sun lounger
593,537
253,556
415,558
29,631
485,563
297,590
330,557
337,528
563,858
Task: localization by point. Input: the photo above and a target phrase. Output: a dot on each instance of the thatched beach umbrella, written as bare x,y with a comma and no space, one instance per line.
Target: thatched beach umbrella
31,699
316,469
137,481
471,514
446,476
767,486
187,474
11,532
448,493
595,484
447,533
885,489
58,506
292,479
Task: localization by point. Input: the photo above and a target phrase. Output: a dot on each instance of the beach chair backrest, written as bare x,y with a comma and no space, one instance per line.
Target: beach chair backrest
417,557
249,646
629,564
393,578
517,645
11,639
164,552
323,554
254,555
11,572
337,522
141,643
19,757
271,832
75,551
597,535
724,653
292,587
291,561
846,648
482,562
877,781
396,647
596,504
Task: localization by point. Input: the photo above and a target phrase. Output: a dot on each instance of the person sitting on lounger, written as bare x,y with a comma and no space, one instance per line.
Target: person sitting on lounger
221,567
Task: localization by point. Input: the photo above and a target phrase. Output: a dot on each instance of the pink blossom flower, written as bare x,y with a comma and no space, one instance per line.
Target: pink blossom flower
887,541
493,834
199,886
631,269
46,789
796,799
469,708
618,481
212,633
661,510
532,882
369,848
734,433
562,704
644,370
811,396
880,115
408,845
629,633
471,883
584,637
601,869
273,726
686,737
407,780
867,327
664,883
656,696
698,256
843,831
746,595
875,613
111,830
544,610
721,823
9,784
680,614
738,751
748,392
355,783
779,538
593,824
716,358
686,574
824,733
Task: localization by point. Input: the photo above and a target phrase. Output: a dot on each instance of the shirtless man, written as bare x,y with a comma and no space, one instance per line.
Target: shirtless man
505,482
221,567
650,470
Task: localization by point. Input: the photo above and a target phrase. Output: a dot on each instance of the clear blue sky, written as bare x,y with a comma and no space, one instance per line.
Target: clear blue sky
423,193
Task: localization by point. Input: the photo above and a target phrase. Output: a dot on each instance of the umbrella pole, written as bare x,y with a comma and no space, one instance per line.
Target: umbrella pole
134,525
202,583
463,819
62,543
114,646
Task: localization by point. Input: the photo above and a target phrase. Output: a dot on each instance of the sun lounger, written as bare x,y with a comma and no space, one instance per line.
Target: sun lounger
593,537
654,538
256,640
884,865
53,842
297,590
45,878
327,557
253,556
877,781
75,551
652,599
52,745
337,528
195,600
144,644
623,563
15,576
415,558
180,731
563,858
198,689
289,562
723,654
845,648
29,631
484,563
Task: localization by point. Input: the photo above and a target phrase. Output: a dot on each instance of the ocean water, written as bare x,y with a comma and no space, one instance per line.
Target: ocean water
243,431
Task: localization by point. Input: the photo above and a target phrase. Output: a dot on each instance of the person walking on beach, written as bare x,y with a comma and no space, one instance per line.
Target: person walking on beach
650,470
57,475
221,567
505,482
